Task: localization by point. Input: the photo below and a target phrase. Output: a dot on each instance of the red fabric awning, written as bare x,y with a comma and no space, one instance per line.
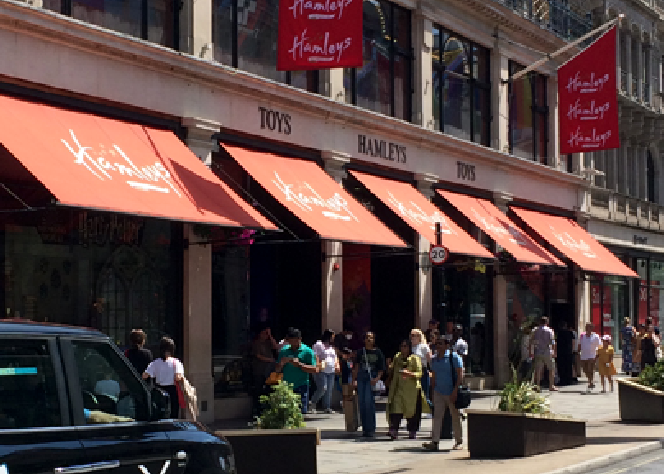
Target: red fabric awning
315,198
570,239
501,229
99,163
418,212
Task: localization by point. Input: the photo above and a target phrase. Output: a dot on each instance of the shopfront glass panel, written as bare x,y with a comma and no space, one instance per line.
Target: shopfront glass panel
123,16
222,31
161,22
101,270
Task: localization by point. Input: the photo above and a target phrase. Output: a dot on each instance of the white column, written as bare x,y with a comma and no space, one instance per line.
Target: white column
628,60
196,29
197,285
424,275
501,363
554,143
499,98
422,38
640,68
335,89
332,265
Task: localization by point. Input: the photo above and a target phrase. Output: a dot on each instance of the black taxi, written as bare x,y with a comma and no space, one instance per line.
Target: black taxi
70,403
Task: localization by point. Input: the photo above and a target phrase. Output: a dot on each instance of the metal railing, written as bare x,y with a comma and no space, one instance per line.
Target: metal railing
557,17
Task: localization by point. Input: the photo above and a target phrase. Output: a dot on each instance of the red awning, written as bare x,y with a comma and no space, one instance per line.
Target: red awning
570,239
315,198
98,163
501,229
418,212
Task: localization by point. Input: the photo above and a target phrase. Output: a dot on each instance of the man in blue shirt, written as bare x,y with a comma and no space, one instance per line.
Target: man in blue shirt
445,389
297,361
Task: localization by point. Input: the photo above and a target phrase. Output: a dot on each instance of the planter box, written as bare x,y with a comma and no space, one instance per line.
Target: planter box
640,403
495,434
256,450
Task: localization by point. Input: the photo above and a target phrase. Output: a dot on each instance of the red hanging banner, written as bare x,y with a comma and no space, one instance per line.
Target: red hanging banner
319,34
588,98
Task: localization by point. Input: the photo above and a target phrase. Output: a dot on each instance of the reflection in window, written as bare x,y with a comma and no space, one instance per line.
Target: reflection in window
245,37
461,87
383,83
528,123
112,305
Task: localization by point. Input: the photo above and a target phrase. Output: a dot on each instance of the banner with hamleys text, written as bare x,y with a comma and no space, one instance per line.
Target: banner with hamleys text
588,98
319,34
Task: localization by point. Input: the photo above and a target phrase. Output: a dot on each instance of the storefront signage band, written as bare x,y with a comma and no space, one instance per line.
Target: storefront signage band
377,148
638,240
275,121
465,171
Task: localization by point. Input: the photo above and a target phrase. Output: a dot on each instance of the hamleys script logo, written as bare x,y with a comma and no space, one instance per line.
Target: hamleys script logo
307,198
417,215
514,236
569,242
102,164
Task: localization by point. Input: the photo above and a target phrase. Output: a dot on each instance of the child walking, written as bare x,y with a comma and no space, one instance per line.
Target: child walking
606,368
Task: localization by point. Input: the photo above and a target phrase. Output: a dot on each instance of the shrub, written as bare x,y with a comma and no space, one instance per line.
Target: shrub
653,376
522,397
283,408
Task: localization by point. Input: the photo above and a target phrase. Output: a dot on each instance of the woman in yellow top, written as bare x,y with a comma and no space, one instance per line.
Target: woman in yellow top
406,399
605,365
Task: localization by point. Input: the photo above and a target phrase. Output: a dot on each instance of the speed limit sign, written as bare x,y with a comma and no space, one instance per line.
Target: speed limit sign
438,254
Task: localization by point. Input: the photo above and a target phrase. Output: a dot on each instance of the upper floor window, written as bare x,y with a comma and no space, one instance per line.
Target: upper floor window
383,83
529,115
152,20
245,37
461,87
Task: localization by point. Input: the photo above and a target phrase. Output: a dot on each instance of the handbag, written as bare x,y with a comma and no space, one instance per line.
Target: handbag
274,378
463,392
178,388
374,388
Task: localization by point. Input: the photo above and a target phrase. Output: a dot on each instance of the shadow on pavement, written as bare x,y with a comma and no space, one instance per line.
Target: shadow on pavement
620,439
418,450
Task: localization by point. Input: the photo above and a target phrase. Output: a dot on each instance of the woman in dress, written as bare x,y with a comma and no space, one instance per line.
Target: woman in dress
605,365
167,371
406,399
649,345
628,339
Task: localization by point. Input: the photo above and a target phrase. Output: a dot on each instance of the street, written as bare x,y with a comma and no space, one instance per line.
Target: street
651,464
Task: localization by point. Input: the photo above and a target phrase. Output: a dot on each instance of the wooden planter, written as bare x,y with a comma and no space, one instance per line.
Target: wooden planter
640,403
260,450
496,434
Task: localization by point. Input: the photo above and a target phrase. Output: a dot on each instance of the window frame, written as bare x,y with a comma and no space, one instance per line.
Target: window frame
537,111
61,386
407,54
474,84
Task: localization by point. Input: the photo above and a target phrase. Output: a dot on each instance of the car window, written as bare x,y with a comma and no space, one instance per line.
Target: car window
28,389
111,392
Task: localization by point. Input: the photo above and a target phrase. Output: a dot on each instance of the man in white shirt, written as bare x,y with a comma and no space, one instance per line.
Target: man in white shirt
589,342
460,346
543,348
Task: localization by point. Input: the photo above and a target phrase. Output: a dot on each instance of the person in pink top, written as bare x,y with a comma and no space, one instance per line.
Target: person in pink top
589,342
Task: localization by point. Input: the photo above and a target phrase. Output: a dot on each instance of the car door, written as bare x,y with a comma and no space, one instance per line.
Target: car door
112,410
36,433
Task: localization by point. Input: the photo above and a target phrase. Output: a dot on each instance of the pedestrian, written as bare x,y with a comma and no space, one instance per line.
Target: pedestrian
167,372
421,349
589,342
605,365
429,333
297,361
328,366
263,362
445,385
368,369
638,336
405,396
138,355
565,353
628,343
543,348
460,346
348,392
526,362
649,344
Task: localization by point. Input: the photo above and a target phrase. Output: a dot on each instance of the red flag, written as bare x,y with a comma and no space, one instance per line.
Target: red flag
319,34
588,98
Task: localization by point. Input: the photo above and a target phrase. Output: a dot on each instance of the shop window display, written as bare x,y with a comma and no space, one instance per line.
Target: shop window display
106,271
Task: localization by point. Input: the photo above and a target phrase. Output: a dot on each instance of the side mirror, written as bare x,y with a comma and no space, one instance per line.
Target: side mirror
161,404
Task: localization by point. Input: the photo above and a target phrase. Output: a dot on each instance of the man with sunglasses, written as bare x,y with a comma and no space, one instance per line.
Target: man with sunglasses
445,389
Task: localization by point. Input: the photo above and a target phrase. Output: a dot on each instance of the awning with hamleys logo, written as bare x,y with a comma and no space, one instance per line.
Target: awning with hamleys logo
570,239
421,215
94,162
315,198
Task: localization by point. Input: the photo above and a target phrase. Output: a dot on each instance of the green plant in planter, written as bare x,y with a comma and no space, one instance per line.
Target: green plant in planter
522,397
653,376
283,408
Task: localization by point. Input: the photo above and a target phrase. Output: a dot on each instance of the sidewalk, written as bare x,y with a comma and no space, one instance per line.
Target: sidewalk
342,452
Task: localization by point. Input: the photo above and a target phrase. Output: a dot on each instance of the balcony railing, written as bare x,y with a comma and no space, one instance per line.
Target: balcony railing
552,14
613,206
659,5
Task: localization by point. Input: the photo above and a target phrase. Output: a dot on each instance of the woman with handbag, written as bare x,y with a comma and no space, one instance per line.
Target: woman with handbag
368,369
406,399
168,373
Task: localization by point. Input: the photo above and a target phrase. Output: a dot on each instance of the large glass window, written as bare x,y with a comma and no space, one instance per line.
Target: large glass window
245,37
383,83
461,87
528,120
152,20
650,291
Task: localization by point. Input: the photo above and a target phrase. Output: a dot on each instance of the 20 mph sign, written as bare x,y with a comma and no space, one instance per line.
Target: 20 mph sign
438,254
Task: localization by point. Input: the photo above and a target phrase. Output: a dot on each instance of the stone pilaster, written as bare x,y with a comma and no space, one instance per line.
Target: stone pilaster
423,46
196,29
199,137
628,60
332,264
501,362
423,277
499,98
